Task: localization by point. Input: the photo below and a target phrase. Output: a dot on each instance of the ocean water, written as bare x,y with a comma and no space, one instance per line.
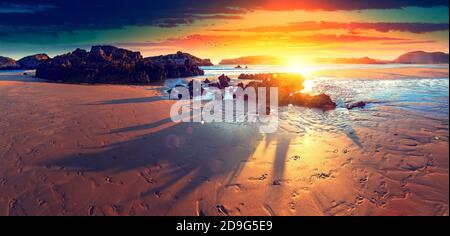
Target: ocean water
425,100
231,71
390,98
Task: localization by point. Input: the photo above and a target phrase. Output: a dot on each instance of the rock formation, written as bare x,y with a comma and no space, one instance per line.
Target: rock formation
321,101
224,81
181,58
289,90
359,104
289,87
33,61
108,64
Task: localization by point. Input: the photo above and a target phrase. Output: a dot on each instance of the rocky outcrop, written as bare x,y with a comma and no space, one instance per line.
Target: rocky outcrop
289,87
7,63
223,82
109,64
33,61
359,104
181,58
421,57
321,101
289,90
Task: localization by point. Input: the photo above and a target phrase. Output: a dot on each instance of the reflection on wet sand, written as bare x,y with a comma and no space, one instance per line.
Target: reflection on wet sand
113,150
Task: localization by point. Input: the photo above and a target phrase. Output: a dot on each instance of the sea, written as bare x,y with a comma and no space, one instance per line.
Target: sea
393,96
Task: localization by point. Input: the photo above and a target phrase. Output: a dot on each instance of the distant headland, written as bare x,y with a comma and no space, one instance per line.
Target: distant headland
252,60
415,57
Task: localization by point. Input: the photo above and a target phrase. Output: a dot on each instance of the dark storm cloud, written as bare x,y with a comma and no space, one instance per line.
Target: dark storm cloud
7,7
60,15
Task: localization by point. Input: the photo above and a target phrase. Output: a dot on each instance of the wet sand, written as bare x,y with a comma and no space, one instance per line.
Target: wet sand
70,149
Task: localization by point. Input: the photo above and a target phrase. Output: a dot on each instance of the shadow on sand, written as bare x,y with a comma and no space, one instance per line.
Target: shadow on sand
129,101
187,153
181,156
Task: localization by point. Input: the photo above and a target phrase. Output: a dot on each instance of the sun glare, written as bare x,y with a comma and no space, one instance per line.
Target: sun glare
299,65
304,70
308,86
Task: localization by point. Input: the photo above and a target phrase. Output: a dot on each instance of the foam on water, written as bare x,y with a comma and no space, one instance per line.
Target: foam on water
387,99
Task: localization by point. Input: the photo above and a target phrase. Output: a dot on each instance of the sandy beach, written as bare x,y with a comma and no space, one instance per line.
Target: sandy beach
73,149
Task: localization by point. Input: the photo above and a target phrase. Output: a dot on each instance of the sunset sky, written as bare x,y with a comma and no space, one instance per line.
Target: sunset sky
300,30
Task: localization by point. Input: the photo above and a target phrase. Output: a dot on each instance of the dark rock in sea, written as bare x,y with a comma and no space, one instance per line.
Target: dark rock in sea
181,58
33,61
224,81
7,63
289,87
359,104
191,89
321,101
109,64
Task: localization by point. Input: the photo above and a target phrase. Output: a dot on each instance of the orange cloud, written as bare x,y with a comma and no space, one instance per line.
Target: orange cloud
199,40
350,26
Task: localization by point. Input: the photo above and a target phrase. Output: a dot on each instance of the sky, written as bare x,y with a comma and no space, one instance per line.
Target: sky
294,30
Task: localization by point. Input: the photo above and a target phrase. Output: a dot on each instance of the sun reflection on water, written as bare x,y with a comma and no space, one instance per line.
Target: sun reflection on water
308,86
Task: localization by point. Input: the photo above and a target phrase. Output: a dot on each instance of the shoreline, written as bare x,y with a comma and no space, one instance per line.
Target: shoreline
71,149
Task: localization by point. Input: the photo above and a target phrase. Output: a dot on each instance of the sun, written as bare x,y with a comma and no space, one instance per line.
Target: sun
304,70
299,65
